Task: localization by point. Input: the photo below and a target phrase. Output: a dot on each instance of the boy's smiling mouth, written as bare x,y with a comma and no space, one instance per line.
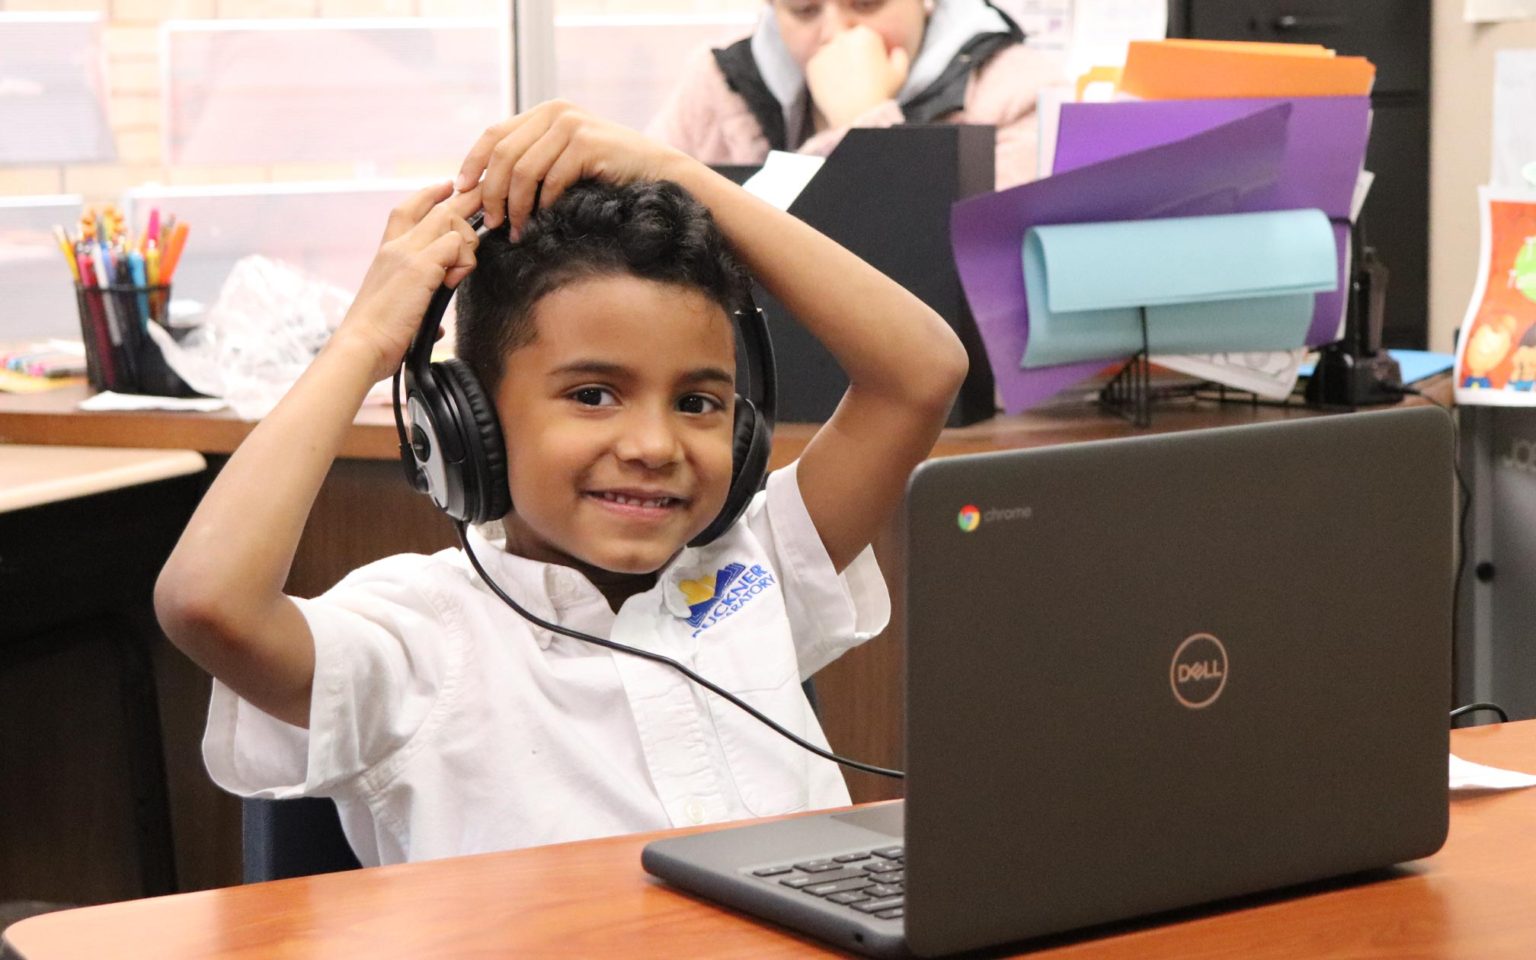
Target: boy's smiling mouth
636,501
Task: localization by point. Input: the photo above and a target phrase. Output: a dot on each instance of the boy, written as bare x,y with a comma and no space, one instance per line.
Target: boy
439,720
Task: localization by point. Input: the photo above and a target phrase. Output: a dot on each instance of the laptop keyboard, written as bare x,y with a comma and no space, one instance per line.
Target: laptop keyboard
869,881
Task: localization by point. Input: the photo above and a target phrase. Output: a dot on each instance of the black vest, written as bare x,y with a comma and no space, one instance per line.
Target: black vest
943,96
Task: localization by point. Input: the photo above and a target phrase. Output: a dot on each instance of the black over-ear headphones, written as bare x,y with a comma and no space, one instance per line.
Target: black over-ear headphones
455,454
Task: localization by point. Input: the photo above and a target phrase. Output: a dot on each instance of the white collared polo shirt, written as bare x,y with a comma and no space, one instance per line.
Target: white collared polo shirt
443,723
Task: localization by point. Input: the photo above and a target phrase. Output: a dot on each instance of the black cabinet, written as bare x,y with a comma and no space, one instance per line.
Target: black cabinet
1394,35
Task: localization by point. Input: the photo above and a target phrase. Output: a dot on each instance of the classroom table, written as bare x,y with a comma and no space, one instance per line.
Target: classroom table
1470,900
35,475
860,700
82,533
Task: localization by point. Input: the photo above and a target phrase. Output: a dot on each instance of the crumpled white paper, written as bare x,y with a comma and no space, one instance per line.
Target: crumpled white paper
1466,775
269,322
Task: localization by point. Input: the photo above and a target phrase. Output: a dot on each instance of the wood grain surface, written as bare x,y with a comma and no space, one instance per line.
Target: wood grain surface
1473,899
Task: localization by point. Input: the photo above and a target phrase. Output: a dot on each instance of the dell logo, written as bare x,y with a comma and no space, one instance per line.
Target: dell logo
1198,673
1202,670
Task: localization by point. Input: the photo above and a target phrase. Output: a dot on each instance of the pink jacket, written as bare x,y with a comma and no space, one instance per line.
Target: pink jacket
707,120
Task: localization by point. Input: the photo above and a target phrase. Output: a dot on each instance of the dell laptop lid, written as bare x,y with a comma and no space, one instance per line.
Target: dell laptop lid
1143,674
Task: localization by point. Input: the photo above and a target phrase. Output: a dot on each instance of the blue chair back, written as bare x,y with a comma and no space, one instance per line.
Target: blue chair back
292,838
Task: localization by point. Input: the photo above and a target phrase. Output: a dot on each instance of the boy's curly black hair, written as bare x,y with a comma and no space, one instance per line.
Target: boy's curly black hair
650,229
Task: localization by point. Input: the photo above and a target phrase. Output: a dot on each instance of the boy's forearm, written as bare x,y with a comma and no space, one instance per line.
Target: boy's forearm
237,549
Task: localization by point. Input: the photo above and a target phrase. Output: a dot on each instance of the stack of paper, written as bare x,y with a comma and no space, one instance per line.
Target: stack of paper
1279,127
1191,69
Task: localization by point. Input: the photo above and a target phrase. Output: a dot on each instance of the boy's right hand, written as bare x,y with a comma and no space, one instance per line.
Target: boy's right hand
542,151
428,243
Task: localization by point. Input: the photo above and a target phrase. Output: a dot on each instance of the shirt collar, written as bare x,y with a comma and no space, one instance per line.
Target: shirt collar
546,590
549,589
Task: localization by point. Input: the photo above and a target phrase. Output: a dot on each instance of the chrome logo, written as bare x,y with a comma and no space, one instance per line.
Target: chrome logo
970,518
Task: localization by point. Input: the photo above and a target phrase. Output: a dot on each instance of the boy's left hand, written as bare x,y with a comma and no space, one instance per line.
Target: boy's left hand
541,152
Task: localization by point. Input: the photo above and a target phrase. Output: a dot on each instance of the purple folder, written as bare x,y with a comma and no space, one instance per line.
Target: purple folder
1323,157
1214,171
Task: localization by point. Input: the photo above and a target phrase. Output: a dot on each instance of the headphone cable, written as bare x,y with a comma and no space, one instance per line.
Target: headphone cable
474,561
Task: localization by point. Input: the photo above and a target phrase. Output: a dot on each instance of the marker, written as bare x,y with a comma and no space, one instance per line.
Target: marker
172,257
136,271
62,239
100,329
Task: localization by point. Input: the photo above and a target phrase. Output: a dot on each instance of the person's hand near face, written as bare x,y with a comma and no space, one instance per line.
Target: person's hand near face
854,72
855,53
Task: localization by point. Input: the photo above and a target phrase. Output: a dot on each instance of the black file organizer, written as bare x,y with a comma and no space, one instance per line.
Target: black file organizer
885,194
1128,393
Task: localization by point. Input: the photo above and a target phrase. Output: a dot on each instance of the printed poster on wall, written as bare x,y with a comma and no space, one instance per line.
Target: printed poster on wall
1496,352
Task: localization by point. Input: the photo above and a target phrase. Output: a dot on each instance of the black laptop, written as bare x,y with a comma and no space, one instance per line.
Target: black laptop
1142,674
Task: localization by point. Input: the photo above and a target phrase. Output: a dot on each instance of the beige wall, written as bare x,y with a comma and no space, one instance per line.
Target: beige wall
1460,153
131,40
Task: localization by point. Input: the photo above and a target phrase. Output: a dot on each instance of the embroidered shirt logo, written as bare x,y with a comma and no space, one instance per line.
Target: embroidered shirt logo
734,585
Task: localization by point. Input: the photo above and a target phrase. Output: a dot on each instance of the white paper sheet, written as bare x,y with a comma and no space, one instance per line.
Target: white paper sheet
1271,374
107,400
1048,103
782,177
1103,29
1047,24
1514,122
1362,190
1494,11
1466,775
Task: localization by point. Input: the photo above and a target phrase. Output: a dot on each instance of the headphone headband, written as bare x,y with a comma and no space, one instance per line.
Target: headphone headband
762,373
418,357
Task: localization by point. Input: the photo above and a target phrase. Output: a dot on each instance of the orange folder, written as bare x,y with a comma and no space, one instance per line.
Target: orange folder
1188,70
1252,46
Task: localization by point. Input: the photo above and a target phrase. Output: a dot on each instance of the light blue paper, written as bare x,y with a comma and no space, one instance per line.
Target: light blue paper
1234,282
1419,365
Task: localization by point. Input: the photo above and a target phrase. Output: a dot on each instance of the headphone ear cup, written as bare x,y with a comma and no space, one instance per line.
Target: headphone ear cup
748,446
751,444
485,454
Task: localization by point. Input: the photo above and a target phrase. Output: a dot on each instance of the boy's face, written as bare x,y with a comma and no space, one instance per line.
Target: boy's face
617,420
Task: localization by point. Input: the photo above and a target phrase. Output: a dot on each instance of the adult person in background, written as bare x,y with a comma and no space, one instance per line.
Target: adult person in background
813,68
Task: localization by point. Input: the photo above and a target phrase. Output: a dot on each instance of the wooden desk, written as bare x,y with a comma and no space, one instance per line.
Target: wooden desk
51,418
31,476
860,694
1471,900
84,815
